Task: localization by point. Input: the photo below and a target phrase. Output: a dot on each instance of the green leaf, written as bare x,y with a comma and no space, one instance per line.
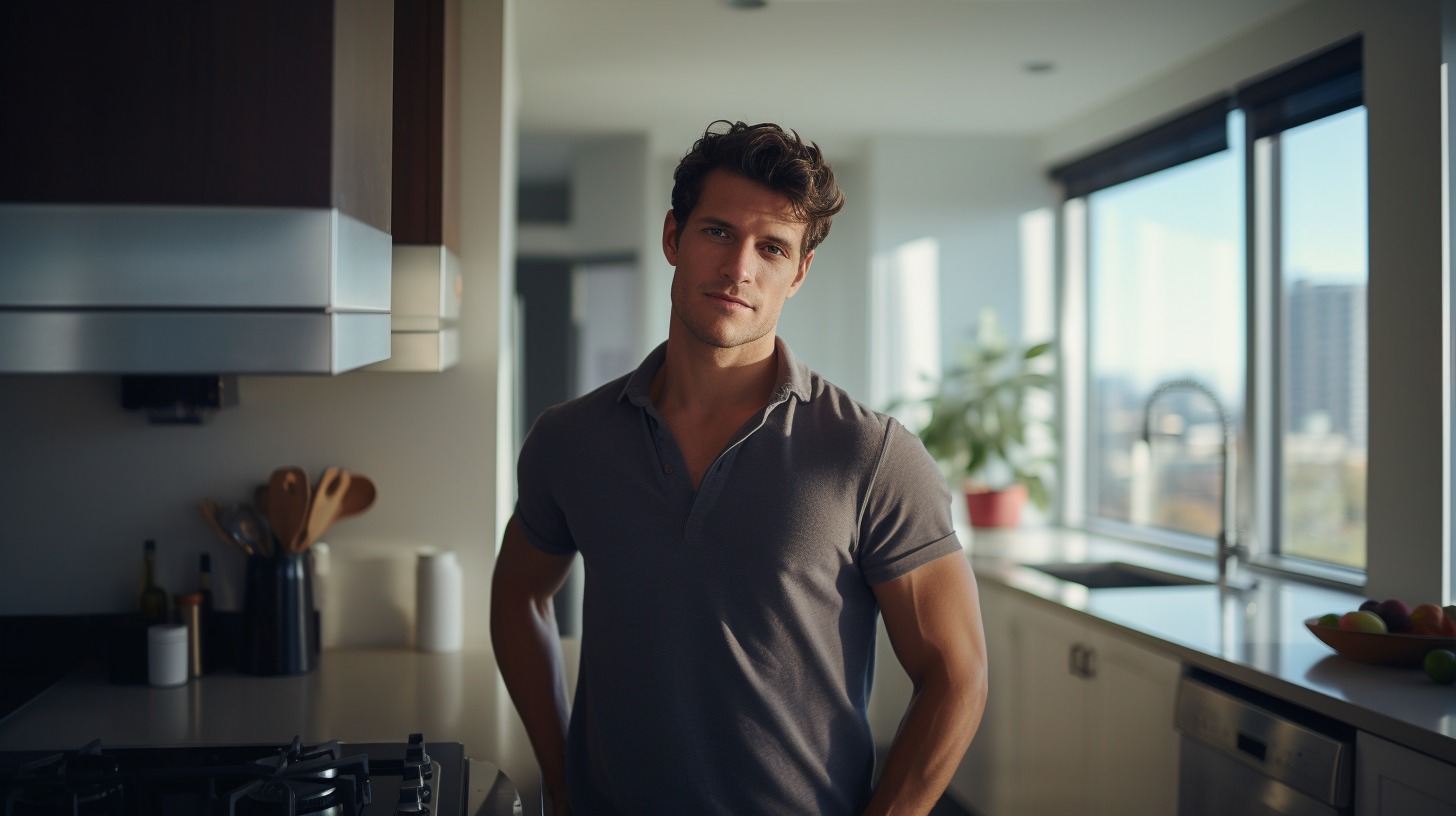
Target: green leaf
1036,351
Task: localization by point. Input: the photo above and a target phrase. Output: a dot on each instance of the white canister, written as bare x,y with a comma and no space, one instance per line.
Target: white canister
439,602
167,655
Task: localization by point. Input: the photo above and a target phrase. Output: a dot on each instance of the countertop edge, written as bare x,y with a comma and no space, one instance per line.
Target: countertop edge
1365,719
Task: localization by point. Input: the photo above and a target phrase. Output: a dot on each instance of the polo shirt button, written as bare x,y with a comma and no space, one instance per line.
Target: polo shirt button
667,468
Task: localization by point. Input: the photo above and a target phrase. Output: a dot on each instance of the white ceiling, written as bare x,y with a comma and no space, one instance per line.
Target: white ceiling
845,69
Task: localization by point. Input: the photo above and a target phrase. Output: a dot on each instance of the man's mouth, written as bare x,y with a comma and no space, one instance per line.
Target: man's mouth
729,299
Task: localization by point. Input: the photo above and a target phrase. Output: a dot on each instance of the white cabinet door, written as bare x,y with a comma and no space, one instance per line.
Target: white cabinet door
1049,715
1392,780
1133,749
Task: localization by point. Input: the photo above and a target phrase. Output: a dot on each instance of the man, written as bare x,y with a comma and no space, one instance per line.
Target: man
741,521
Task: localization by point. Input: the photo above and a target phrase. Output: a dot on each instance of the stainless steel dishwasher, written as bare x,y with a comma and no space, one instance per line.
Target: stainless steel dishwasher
1243,752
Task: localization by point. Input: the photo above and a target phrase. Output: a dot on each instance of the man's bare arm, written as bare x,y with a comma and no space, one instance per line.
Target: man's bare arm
528,650
934,620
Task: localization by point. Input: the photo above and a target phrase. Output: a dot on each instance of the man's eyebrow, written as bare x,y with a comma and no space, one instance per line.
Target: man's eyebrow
773,239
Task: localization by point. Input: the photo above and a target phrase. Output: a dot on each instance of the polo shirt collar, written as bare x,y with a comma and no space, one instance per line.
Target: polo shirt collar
793,376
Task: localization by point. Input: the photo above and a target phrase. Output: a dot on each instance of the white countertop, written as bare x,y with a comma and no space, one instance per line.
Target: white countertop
1256,637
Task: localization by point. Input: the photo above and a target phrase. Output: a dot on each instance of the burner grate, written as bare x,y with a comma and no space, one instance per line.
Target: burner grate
328,779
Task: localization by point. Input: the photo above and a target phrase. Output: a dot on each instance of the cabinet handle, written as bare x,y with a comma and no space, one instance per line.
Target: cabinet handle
1074,660
1089,662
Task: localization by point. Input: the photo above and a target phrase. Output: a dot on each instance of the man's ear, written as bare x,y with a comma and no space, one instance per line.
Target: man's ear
803,272
669,238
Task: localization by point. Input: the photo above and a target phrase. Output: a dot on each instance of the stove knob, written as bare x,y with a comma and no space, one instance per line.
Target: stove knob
414,779
412,802
415,754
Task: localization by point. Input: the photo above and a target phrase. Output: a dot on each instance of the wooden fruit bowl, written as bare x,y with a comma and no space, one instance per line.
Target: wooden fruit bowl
1405,650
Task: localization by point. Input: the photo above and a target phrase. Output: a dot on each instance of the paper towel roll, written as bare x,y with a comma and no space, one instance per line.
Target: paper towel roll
440,602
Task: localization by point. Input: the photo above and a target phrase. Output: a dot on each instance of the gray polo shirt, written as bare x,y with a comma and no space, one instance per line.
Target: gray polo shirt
728,639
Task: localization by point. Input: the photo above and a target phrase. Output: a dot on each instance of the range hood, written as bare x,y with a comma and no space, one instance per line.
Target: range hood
204,188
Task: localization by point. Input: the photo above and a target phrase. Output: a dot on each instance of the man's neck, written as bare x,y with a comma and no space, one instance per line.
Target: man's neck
702,380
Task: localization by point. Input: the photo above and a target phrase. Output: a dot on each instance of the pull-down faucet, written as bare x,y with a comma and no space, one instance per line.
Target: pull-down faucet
1230,550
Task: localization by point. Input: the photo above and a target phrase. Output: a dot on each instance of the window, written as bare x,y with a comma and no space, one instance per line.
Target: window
1235,296
1322,262
1166,286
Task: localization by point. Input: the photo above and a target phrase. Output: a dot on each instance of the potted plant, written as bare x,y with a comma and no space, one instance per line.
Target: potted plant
984,429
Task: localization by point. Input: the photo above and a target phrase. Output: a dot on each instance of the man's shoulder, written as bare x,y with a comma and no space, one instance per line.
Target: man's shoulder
836,413
585,412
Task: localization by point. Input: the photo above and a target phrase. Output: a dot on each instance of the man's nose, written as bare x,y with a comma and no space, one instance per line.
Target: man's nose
741,262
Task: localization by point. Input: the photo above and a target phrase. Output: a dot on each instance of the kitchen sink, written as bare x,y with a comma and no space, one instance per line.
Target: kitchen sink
1113,574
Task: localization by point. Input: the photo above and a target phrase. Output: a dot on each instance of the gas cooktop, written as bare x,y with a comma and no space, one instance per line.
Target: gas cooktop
332,778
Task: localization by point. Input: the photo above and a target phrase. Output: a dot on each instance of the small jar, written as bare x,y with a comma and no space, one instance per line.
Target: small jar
167,655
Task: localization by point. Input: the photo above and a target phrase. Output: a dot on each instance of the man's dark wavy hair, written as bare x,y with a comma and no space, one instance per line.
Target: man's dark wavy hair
771,156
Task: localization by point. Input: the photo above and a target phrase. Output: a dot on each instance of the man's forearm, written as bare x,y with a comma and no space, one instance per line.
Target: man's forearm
528,652
937,729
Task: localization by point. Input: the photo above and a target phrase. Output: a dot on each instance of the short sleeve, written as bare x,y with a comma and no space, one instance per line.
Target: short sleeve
538,512
905,521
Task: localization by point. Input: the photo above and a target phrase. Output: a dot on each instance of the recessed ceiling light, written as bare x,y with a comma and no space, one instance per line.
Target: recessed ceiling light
746,4
1039,66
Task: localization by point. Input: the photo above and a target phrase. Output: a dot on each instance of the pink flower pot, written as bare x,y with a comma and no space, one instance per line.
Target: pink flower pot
996,508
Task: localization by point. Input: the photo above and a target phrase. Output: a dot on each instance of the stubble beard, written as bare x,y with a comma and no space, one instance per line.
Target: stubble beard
704,334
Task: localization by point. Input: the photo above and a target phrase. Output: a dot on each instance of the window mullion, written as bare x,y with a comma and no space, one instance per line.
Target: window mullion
1266,346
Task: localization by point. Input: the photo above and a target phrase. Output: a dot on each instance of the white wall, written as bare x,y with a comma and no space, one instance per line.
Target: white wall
86,482
967,192
827,322
608,183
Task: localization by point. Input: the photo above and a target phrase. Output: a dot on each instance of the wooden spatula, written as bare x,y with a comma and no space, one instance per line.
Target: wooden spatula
358,498
288,498
324,508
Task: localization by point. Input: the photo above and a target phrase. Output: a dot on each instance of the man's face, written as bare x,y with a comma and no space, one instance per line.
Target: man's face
737,260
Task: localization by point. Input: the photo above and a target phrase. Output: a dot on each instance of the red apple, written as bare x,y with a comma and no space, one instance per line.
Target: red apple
1427,619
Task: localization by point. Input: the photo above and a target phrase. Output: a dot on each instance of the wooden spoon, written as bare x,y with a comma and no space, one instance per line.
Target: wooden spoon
323,510
288,498
210,512
358,498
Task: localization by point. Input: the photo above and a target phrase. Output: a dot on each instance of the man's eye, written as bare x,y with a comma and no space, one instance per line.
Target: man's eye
776,250
715,231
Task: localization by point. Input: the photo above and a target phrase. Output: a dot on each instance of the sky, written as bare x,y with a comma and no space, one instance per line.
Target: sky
1167,252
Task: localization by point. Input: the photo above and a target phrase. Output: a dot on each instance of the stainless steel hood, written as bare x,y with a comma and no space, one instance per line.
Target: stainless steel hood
196,189
177,290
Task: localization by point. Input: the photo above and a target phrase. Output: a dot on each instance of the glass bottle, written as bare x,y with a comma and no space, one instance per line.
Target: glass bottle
204,584
153,597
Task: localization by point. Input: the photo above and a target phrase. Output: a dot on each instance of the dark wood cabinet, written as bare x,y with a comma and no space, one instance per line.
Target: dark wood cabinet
426,122
264,103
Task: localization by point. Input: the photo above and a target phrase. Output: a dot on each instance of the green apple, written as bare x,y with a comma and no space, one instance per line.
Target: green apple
1331,620
1441,666
1363,622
